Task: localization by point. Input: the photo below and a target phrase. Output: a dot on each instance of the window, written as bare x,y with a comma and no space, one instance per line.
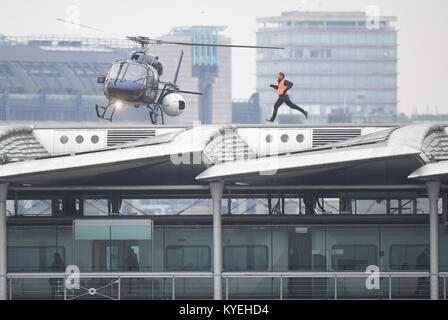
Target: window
34,207
135,73
341,24
247,258
117,256
314,53
353,257
32,259
370,206
115,70
409,257
188,258
401,206
5,69
112,258
298,53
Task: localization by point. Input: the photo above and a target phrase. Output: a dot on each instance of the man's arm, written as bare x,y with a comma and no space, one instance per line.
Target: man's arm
288,85
274,86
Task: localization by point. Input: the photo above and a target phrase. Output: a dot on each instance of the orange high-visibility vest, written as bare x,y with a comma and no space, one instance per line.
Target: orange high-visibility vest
282,88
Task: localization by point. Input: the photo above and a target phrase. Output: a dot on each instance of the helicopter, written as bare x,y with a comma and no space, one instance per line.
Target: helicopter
135,81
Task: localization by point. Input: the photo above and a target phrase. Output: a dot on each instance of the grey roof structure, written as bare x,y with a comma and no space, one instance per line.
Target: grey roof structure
437,170
197,155
19,144
384,157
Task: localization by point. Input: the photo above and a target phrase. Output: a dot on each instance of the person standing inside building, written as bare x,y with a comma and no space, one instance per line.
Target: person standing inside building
283,96
57,265
423,265
132,261
132,265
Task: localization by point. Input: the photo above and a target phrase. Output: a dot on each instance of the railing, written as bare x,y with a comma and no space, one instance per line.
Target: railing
245,285
54,40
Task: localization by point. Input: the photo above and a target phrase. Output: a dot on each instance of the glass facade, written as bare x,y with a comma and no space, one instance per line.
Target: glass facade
33,248
379,234
203,206
302,36
336,66
259,248
245,248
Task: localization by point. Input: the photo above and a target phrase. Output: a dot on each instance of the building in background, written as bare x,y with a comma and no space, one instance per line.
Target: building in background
209,71
429,117
343,68
54,77
246,111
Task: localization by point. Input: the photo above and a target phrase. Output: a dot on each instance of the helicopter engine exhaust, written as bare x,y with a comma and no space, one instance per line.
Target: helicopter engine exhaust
173,104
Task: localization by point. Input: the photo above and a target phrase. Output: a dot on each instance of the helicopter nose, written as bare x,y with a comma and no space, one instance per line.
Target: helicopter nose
125,90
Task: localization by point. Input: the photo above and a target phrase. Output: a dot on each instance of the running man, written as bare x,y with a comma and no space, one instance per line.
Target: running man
283,96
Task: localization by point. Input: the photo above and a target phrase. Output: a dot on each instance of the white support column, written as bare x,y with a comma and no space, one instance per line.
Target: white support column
3,244
216,190
433,189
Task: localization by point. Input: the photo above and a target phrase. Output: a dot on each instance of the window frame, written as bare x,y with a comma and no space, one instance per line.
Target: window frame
226,268
59,249
341,246
393,267
183,267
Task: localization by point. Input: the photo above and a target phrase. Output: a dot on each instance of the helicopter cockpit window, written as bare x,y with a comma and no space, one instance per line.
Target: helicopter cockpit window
115,70
153,78
135,73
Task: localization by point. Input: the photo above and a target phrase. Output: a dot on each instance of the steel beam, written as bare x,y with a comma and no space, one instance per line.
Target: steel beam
3,242
433,188
216,190
227,188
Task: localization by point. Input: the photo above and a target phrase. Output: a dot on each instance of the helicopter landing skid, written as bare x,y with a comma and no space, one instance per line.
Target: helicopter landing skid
154,111
101,111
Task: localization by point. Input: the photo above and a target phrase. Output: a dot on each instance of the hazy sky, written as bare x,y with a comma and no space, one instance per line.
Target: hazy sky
422,25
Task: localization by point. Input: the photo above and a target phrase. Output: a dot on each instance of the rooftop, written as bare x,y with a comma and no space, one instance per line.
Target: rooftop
322,16
237,155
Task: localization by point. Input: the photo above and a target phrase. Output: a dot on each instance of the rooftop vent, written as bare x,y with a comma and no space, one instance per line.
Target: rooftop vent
119,136
330,135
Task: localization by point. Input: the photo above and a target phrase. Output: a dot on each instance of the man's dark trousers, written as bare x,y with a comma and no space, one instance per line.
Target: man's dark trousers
285,99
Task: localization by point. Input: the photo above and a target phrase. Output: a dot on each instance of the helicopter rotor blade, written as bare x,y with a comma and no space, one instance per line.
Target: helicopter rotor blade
212,44
88,27
191,92
178,67
146,41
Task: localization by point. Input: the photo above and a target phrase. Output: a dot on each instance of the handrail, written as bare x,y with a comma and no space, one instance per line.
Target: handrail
401,274
114,281
322,274
38,275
